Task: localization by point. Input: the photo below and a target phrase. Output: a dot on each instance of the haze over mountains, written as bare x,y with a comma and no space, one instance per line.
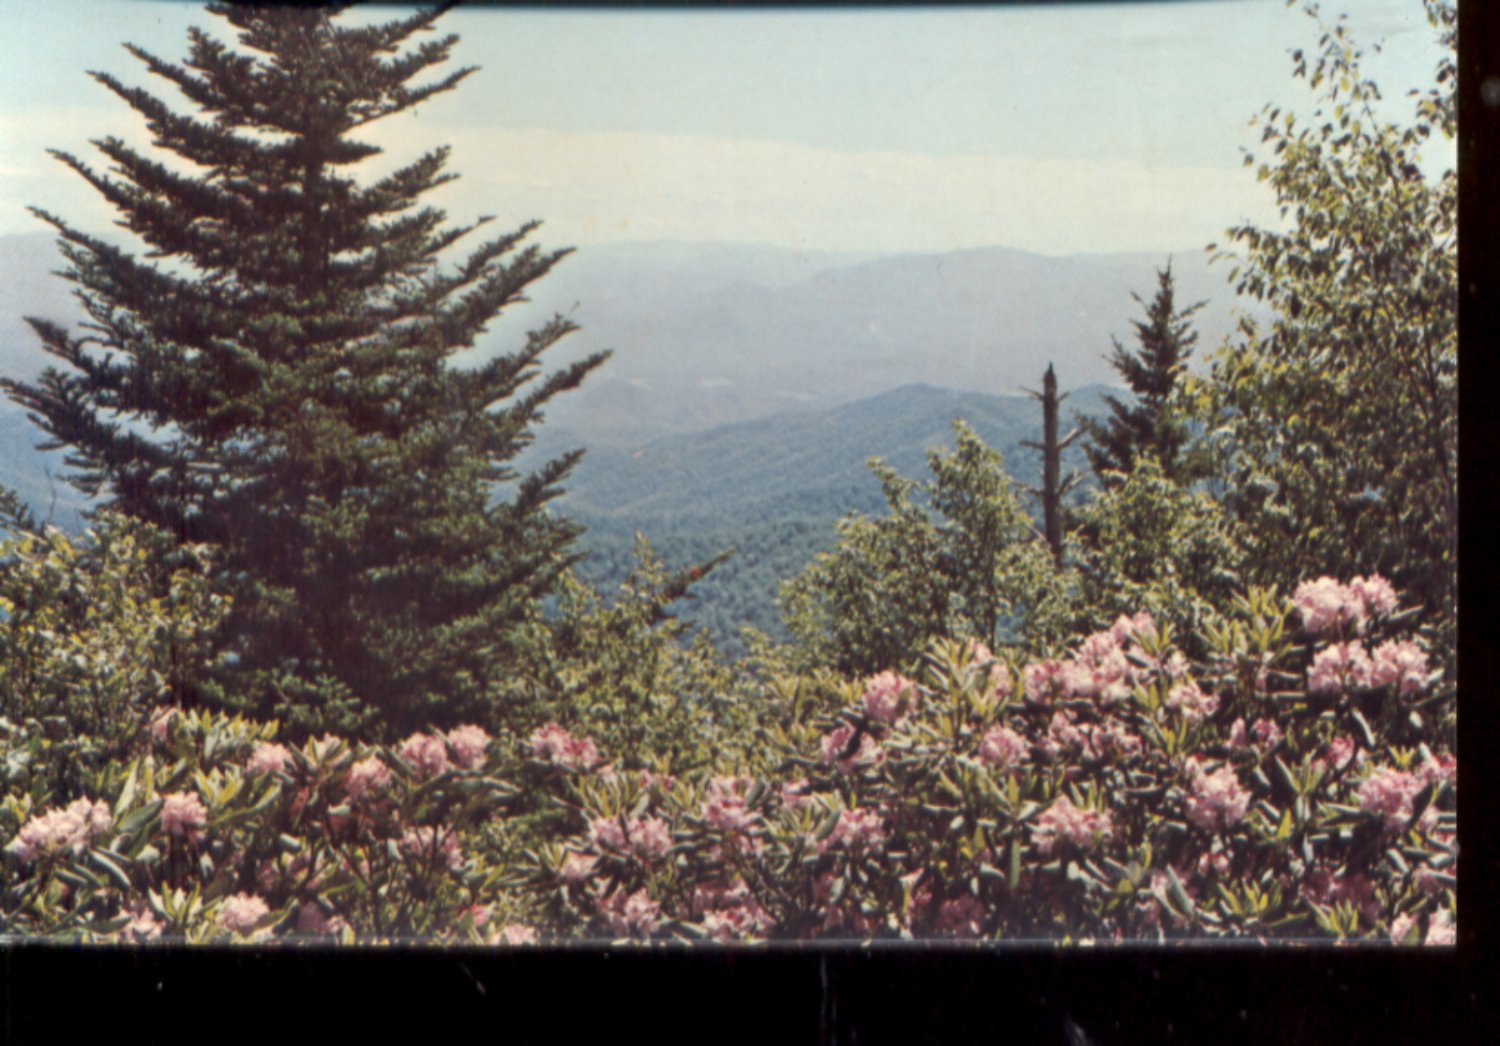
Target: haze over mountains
750,385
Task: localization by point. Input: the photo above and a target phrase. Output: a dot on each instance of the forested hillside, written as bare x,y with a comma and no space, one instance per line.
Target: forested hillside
772,490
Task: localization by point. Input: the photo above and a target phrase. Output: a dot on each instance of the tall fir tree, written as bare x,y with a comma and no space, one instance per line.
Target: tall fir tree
272,375
1151,424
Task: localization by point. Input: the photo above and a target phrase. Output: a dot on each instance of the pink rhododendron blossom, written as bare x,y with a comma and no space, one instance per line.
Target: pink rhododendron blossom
71,828
1429,881
1441,933
662,782
999,675
143,924
468,745
1374,595
426,843
650,837
268,759
1339,753
841,749
577,868
241,912
961,916
183,814
730,914
426,754
1063,820
479,913
1326,605
1402,925
1339,667
1236,737
1267,733
1324,888
159,725
1063,736
1044,682
1127,627
1108,741
1218,800
607,833
1003,748
366,779
1399,663
724,805
517,933
1213,865
1389,794
1189,701
636,915
889,697
856,829
555,745
1100,669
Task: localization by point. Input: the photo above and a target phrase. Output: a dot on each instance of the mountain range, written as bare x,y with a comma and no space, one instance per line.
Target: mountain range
749,385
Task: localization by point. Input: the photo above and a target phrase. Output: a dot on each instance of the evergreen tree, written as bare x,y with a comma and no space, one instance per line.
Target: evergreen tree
1150,425
271,376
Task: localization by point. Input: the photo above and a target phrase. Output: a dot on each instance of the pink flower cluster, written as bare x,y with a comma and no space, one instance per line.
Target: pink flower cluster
730,914
840,748
1324,888
1101,669
724,805
1326,605
1002,748
184,815
242,912
1440,930
516,933
468,745
366,779
432,754
1346,666
268,759
553,744
961,916
1044,682
1218,800
999,676
649,838
71,828
634,916
1190,702
159,725
1390,794
889,697
577,867
427,843
1067,737
1267,734
861,829
1063,820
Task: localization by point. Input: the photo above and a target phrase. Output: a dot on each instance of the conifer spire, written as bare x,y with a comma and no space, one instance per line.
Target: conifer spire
271,373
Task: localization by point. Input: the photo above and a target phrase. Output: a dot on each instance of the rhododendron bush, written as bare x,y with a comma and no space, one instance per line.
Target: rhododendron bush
1298,781
1299,784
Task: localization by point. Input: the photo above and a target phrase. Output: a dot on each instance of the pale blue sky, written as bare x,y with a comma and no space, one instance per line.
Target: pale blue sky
1056,129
